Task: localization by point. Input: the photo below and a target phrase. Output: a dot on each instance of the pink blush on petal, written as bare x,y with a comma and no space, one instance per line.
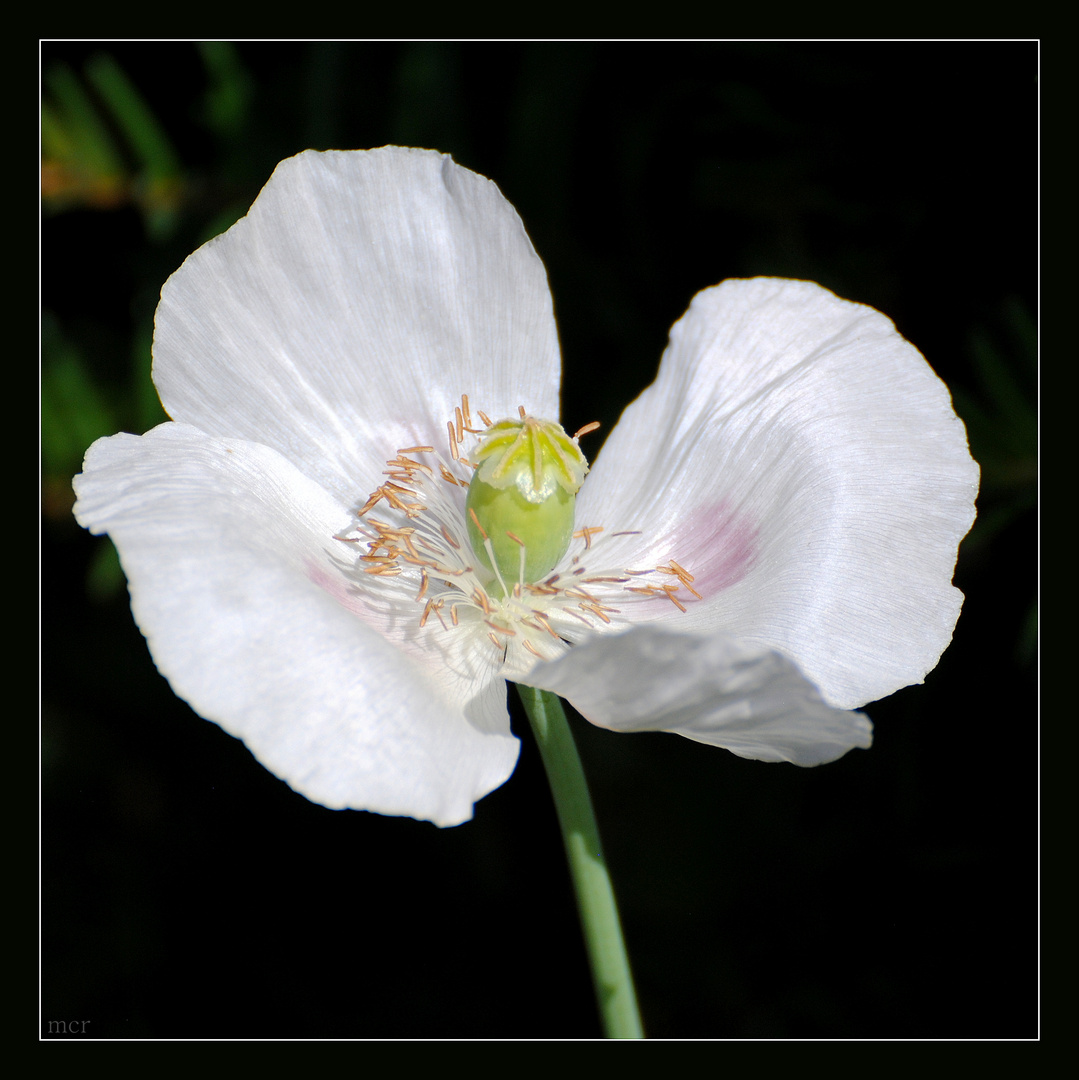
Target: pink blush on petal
339,589
716,545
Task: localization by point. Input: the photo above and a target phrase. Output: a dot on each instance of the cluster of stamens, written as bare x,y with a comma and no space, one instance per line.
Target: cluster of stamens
424,551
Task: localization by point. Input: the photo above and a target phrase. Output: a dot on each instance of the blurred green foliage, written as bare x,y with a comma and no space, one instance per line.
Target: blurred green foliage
102,146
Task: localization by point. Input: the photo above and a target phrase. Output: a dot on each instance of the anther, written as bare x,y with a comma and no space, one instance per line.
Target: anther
476,522
594,426
587,533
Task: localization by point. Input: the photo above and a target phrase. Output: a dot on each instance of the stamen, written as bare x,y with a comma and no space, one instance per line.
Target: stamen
476,522
542,589
372,502
670,590
426,613
595,609
542,618
490,549
685,577
450,478
570,611
587,533
521,566
582,593
594,426
407,467
391,558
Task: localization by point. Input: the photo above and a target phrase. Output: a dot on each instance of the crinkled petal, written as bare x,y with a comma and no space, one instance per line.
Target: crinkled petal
251,615
714,689
803,461
347,313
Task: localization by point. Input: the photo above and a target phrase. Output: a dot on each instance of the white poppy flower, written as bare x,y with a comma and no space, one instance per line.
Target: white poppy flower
766,541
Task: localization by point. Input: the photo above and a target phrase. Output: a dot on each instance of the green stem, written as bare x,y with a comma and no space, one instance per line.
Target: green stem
595,896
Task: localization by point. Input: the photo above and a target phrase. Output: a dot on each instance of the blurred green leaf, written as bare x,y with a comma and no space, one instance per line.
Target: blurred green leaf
1002,427
1001,416
157,164
102,146
104,577
81,164
223,221
152,149
74,412
228,98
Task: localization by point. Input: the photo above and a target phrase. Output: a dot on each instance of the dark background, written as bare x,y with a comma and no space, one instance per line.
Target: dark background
188,893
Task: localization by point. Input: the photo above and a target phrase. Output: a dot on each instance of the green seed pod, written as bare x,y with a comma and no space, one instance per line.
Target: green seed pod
522,496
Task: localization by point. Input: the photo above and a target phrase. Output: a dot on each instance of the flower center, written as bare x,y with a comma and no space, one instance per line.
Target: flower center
484,544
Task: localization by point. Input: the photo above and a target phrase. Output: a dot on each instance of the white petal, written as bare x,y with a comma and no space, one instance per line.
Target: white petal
345,316
804,462
713,689
240,590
